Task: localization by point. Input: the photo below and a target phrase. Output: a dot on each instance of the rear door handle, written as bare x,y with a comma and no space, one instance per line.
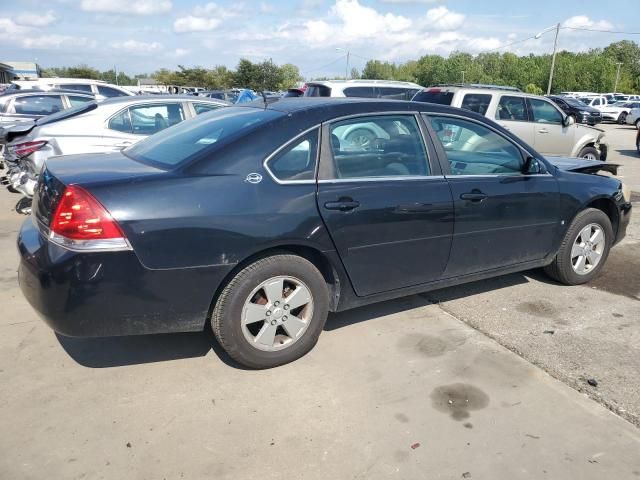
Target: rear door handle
474,196
543,130
342,205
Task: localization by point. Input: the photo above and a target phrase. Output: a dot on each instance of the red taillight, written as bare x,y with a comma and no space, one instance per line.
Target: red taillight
434,90
27,148
80,216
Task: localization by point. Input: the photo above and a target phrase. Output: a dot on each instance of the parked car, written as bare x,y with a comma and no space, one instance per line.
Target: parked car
94,128
234,95
260,219
362,88
27,105
535,119
596,101
618,111
101,90
580,112
633,117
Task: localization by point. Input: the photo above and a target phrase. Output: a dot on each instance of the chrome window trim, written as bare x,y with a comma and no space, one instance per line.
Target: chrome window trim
493,175
265,162
394,178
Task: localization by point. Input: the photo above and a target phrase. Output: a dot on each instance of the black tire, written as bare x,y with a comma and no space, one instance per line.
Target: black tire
227,314
587,151
561,268
622,119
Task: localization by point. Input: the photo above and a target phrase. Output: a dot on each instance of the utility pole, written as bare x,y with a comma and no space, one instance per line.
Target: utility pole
463,76
615,88
553,59
115,68
346,71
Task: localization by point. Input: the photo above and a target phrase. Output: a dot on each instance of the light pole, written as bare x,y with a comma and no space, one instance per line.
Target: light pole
463,76
346,70
553,58
615,88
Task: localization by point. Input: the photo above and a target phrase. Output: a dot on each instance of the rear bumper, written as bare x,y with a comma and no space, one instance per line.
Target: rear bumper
111,293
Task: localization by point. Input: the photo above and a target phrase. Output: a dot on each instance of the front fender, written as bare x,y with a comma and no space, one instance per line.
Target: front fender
589,137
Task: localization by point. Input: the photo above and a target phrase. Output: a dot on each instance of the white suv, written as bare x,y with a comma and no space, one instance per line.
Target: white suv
388,89
535,119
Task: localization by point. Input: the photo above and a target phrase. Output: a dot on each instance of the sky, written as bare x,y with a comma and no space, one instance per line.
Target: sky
141,36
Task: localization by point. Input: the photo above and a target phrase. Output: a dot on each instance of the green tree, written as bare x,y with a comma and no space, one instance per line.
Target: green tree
377,70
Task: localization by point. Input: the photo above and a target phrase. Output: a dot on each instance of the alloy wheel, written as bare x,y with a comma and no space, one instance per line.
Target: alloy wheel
277,313
587,249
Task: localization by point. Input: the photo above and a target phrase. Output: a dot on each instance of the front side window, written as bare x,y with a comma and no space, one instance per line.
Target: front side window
75,100
378,146
110,92
476,102
149,119
512,108
473,149
38,105
297,161
544,112
596,102
205,107
81,87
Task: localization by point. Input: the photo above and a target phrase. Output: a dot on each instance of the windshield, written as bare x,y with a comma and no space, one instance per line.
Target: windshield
68,113
207,132
574,102
585,100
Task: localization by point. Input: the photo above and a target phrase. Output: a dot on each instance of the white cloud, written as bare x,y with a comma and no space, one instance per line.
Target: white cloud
359,21
195,24
181,52
205,18
404,2
136,7
582,21
441,18
10,27
55,42
30,19
137,48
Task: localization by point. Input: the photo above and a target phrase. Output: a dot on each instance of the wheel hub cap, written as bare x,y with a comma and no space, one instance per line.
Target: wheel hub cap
587,249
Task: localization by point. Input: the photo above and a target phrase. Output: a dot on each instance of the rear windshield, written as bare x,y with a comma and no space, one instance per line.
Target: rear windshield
574,102
207,132
317,91
434,96
70,112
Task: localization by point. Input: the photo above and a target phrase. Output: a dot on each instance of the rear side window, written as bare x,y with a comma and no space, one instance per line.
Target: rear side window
297,161
378,146
205,133
434,96
317,91
42,105
544,112
366,92
149,119
512,108
476,102
81,87
110,92
395,93
75,100
205,107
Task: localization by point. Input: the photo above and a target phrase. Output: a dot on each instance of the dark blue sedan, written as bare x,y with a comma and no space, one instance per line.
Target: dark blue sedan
261,219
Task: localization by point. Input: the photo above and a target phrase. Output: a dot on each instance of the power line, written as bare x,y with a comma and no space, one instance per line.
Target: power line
307,72
509,44
602,31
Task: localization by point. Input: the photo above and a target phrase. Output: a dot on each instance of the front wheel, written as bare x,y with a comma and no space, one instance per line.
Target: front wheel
622,119
272,312
589,153
584,249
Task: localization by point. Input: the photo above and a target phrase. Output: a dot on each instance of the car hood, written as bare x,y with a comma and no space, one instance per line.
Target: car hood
580,165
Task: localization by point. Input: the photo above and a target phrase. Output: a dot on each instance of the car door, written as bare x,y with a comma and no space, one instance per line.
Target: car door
134,123
551,135
513,115
385,203
503,216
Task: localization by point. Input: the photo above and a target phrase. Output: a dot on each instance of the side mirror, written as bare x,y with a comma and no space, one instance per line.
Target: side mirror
568,121
530,166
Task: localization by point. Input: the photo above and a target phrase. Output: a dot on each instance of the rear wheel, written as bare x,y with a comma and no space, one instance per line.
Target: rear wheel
622,119
272,312
590,153
584,249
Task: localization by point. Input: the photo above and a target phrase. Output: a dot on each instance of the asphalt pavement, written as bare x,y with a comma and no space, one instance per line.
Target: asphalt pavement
467,382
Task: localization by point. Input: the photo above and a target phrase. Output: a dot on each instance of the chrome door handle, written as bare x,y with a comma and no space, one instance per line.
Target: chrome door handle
344,205
543,130
474,196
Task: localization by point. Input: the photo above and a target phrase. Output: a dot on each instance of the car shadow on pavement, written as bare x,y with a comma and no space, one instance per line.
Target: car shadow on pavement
628,153
139,349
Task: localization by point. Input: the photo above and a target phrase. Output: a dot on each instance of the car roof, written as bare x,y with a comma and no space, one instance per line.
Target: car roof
364,83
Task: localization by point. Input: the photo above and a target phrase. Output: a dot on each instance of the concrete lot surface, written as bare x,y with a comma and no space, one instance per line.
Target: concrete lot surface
407,389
